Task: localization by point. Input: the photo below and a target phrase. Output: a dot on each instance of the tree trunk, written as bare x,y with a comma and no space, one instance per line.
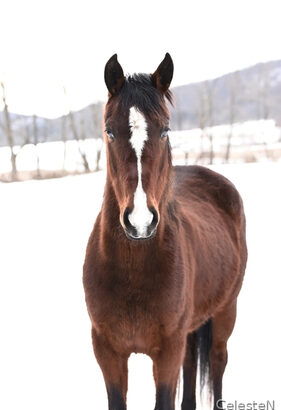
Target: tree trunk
35,135
76,136
228,146
211,148
63,137
9,134
98,159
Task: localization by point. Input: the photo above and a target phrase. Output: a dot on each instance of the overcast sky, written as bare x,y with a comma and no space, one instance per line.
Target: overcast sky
45,45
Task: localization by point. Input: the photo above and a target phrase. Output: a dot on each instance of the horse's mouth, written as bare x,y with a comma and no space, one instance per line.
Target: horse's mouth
140,238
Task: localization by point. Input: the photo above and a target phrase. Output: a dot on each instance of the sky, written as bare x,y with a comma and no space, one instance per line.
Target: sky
48,45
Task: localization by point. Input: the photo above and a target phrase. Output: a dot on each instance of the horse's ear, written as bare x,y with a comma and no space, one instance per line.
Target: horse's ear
113,75
162,77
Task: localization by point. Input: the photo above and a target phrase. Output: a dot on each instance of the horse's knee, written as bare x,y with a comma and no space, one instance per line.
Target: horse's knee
114,367
166,368
168,360
218,356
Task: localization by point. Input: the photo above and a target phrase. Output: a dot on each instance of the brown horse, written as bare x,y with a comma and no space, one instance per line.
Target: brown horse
167,255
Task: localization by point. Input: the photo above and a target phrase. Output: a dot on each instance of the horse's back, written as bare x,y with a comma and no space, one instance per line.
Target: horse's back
199,185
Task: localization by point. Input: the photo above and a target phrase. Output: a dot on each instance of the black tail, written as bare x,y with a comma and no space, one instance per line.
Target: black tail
204,343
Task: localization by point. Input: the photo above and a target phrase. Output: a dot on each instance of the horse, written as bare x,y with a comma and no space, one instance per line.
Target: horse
166,258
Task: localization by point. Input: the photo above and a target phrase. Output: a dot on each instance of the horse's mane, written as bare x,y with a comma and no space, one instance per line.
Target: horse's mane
139,90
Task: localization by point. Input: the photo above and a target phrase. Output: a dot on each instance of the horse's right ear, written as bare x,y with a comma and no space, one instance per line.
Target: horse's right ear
113,75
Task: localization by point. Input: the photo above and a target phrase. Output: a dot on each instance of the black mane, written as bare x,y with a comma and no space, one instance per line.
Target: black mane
139,90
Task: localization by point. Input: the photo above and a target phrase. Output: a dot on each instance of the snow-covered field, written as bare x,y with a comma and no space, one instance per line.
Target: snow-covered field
46,359
247,145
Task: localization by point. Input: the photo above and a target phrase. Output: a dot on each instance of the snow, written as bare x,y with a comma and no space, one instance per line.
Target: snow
51,155
247,141
245,133
46,354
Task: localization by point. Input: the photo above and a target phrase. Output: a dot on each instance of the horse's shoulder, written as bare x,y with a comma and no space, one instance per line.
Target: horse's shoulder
204,184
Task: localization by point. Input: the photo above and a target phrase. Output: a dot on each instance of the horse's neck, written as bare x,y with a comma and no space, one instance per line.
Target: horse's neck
110,208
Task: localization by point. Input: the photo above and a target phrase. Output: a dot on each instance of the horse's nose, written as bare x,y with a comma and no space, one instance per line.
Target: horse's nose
141,225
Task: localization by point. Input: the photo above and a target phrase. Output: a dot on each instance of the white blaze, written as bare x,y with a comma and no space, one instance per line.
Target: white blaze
140,217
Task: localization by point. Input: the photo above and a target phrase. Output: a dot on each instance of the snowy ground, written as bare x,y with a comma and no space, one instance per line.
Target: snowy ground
247,145
46,359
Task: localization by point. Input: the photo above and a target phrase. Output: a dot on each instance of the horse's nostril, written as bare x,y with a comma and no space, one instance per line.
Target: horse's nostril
155,218
126,217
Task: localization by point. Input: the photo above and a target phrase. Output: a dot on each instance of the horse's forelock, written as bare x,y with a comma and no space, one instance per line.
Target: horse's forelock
139,91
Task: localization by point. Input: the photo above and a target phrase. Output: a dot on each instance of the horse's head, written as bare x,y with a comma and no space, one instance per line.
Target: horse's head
138,150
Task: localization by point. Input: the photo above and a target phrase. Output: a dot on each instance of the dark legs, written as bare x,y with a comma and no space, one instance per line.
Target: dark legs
166,367
116,401
164,398
214,355
115,372
167,361
223,324
189,374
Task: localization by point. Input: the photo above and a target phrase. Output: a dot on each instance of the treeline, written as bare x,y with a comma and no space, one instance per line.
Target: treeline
250,94
16,131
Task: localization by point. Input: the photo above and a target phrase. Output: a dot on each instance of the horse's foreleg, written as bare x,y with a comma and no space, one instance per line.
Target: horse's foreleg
166,367
115,372
189,374
222,327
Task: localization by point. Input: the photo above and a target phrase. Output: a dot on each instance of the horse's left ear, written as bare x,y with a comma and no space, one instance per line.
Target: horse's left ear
113,75
162,77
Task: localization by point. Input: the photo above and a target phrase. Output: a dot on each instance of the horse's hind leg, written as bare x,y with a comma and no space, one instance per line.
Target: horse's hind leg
189,374
222,327
115,372
166,367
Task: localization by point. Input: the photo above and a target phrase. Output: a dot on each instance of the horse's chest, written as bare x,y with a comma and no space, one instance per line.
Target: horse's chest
136,318
134,328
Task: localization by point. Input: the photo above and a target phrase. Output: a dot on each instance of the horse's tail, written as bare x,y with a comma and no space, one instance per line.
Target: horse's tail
204,343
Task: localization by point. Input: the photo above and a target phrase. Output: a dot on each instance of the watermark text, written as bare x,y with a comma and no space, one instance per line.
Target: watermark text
236,405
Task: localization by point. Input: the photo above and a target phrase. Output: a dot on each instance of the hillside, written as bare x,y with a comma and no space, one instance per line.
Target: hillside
250,94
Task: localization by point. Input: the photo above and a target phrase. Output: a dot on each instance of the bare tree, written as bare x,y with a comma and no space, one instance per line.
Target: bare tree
77,138
262,100
64,138
178,113
234,88
9,133
26,131
201,117
46,129
210,94
263,107
99,146
98,131
82,138
35,140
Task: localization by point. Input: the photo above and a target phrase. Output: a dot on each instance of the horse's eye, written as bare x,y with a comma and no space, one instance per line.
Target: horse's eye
164,134
110,135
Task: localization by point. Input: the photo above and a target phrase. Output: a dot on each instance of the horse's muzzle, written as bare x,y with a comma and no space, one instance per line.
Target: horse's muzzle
132,232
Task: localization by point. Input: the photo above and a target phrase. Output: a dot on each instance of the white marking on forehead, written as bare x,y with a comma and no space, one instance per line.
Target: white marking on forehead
138,129
140,217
